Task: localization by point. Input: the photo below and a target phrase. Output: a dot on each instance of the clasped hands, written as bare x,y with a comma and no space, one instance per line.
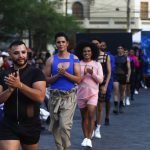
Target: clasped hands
13,81
88,70
61,70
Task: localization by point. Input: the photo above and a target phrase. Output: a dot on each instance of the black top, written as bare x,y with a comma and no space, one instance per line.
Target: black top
103,60
121,65
19,107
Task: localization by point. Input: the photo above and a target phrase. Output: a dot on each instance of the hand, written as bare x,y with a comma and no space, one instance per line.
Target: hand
90,71
61,70
103,89
13,80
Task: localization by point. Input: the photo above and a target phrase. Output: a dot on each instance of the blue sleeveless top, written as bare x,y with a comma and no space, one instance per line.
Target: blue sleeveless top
63,83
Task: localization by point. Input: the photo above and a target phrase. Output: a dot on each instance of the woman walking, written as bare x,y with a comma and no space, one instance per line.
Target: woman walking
87,94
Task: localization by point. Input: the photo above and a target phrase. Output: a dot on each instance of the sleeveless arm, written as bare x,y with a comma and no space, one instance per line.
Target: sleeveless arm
47,71
108,65
76,77
129,70
108,71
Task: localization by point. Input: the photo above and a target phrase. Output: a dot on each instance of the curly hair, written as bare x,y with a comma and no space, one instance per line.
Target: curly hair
82,45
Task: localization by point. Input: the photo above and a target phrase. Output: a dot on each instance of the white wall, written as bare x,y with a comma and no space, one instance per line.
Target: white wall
109,8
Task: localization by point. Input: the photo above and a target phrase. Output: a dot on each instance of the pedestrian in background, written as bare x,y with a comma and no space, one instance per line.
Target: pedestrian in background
104,60
126,101
6,63
121,77
134,63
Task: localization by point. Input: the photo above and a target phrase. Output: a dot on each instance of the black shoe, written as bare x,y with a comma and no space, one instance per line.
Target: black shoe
132,99
48,120
95,123
121,109
115,108
115,111
106,121
43,128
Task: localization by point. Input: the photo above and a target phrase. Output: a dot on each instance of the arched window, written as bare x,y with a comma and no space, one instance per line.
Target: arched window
77,10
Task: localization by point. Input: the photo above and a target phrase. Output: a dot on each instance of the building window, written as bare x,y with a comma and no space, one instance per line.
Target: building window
77,10
144,10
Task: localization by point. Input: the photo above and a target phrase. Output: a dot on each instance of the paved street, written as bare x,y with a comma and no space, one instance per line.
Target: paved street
128,131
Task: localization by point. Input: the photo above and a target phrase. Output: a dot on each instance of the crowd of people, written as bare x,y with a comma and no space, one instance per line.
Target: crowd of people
91,77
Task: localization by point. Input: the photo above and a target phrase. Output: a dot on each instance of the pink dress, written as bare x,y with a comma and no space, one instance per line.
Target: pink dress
88,88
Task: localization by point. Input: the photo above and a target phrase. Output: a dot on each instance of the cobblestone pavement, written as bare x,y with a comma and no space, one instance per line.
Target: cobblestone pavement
127,131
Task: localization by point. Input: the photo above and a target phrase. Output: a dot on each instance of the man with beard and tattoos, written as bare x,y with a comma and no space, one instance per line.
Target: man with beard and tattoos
22,89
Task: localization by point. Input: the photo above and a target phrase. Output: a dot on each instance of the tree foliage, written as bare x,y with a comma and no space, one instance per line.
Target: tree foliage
38,17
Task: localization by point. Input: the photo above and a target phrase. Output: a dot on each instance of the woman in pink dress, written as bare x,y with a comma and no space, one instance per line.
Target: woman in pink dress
87,94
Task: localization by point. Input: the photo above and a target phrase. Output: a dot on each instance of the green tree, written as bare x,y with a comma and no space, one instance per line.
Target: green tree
38,18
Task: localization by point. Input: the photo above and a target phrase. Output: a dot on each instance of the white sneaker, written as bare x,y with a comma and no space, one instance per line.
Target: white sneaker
127,101
89,143
136,92
97,133
145,87
84,142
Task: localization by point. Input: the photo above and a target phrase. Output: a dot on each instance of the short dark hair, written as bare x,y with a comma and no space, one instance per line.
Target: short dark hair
63,34
97,39
15,43
82,45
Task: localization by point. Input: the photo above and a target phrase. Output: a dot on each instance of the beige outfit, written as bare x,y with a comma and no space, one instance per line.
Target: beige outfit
62,106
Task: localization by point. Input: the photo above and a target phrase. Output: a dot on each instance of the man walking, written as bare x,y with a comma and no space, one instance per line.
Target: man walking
22,89
62,72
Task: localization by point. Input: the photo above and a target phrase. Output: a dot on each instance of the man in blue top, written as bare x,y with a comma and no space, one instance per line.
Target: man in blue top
62,71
